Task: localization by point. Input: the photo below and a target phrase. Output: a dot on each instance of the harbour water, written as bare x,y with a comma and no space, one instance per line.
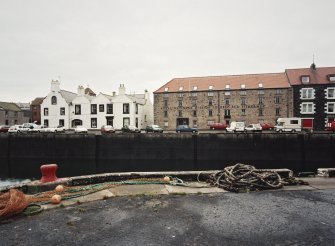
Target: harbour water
7,182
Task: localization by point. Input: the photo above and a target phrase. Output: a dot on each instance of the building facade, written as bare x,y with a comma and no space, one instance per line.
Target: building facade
202,101
314,94
11,114
92,111
35,109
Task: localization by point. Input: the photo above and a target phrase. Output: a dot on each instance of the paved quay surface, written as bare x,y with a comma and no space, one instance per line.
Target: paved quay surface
138,215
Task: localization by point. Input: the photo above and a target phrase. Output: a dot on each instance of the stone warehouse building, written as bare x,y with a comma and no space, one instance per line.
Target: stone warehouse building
201,101
12,114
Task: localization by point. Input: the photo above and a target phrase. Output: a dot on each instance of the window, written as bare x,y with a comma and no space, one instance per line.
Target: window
126,108
109,108
260,100
227,112
227,87
307,108
210,113
260,112
62,111
136,122
210,122
165,113
180,88
210,102
136,108
194,103
126,121
165,102
227,101
165,95
7,122
243,111
210,87
260,85
180,103
278,91
180,113
166,89
53,100
93,109
307,93
331,77
277,100
101,108
166,123
260,92
194,113
243,93
180,94
242,86
61,122
195,88
330,93
194,94
77,109
46,111
243,101
227,93
46,123
195,123
277,111
210,93
331,108
304,79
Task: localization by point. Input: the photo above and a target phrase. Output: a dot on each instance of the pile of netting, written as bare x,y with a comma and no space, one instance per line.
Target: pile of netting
12,202
243,178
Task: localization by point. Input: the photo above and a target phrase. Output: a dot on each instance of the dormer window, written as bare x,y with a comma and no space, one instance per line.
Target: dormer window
53,100
195,88
210,87
242,86
180,88
260,85
304,79
331,77
227,86
166,89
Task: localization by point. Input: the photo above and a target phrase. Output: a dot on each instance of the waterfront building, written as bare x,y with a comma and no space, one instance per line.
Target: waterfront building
313,94
201,101
35,109
92,111
12,114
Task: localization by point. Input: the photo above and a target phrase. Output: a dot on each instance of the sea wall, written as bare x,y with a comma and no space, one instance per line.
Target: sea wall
22,155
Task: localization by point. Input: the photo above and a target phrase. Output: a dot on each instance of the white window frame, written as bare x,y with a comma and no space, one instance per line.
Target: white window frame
307,108
304,93
327,108
305,79
327,93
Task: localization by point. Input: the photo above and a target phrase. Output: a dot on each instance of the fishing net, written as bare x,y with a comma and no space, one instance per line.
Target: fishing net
12,202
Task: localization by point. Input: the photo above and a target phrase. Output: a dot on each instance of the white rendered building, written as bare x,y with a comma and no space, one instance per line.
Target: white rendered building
92,111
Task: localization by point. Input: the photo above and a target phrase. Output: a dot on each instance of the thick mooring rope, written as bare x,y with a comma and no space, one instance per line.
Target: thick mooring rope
242,178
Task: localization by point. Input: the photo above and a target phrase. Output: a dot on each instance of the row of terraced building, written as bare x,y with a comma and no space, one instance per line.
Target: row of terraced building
252,98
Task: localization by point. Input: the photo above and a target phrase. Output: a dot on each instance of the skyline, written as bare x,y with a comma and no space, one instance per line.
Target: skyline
146,44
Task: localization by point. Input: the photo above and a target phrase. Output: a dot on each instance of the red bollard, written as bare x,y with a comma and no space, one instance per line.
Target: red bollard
48,173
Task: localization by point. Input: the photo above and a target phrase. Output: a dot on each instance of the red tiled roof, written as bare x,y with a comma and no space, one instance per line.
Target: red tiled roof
316,76
251,81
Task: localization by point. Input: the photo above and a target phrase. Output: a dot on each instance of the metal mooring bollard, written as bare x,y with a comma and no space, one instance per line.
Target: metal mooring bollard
48,173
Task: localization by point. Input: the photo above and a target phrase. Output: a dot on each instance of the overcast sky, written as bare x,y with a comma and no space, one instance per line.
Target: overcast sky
144,44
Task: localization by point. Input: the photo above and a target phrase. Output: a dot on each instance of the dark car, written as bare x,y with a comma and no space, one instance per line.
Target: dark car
4,128
130,129
186,128
218,126
153,128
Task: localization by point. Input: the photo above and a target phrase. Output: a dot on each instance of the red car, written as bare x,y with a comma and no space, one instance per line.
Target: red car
4,128
218,126
266,127
331,127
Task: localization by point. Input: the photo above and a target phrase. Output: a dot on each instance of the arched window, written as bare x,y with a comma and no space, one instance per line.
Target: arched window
53,100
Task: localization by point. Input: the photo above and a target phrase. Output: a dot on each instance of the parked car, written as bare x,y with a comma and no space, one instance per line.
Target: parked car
236,126
53,129
153,128
267,127
80,129
218,126
330,127
253,128
15,129
105,129
130,129
186,128
4,129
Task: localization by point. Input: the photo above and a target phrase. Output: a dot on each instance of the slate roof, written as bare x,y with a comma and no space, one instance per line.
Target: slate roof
9,106
68,96
37,101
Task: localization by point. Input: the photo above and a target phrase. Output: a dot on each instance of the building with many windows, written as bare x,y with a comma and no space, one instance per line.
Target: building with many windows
12,114
201,101
314,94
92,111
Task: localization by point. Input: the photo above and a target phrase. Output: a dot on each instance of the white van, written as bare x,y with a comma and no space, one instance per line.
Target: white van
236,126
